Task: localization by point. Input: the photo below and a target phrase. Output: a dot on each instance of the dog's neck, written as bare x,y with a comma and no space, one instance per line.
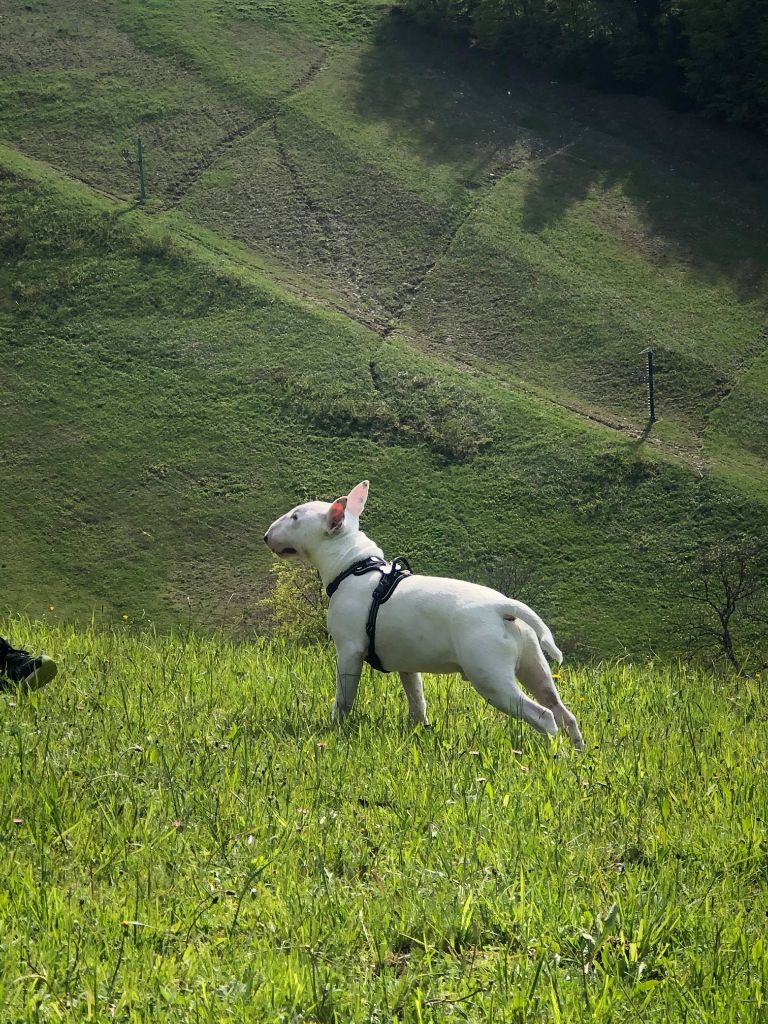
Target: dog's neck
345,551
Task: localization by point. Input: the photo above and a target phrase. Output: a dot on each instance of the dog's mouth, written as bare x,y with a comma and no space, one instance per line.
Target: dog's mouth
287,551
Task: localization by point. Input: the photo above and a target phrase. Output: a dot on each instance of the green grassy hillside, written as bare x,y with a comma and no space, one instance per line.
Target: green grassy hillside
187,839
365,253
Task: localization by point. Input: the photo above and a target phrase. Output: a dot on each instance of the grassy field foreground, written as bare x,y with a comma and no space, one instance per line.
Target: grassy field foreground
186,838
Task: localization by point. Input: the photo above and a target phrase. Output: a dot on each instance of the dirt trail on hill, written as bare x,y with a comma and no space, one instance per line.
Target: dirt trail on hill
187,180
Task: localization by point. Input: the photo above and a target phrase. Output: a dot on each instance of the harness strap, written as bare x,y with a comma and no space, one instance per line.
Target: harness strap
356,569
385,588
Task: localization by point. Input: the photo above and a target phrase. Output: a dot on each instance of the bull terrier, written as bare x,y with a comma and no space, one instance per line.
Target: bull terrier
420,623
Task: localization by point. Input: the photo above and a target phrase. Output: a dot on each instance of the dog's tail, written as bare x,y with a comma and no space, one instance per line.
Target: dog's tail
540,628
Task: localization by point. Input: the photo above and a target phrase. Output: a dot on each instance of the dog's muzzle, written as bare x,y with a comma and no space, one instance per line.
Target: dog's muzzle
278,551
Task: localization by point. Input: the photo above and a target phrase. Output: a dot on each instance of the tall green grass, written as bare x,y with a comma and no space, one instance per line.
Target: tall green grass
186,838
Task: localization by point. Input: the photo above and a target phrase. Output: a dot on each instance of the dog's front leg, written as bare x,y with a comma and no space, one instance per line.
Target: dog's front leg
414,691
349,665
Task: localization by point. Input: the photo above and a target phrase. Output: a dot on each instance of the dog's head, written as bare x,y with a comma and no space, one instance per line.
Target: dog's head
302,532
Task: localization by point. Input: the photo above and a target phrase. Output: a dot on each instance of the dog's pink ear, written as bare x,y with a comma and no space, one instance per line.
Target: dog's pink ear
357,498
335,516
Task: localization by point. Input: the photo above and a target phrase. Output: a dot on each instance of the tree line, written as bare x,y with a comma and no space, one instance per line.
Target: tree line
708,54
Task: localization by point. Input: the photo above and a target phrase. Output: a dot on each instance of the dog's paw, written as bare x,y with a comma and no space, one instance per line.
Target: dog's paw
338,714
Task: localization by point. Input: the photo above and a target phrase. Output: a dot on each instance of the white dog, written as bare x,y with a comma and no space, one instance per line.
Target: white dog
424,623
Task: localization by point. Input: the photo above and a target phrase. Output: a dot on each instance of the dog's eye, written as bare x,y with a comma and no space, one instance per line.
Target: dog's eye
294,516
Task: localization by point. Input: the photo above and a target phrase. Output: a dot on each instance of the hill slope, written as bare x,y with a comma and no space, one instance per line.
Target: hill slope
497,251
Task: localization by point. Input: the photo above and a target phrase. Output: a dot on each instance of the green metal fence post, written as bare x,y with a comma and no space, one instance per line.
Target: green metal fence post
651,403
140,157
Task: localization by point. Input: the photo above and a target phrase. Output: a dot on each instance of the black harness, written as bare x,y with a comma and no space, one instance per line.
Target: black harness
385,588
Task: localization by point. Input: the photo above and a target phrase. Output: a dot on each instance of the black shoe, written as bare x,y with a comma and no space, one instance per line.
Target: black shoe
20,668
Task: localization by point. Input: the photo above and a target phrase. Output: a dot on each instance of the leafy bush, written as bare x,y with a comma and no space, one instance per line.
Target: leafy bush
295,606
154,247
14,242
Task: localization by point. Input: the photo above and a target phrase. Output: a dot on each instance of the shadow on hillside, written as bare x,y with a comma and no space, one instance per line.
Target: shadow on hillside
682,220
439,99
699,190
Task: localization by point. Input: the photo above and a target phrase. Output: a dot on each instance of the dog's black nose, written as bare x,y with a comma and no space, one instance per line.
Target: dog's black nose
265,537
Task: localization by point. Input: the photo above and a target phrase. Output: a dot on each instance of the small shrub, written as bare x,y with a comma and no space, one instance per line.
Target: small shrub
727,603
295,605
150,247
14,242
403,410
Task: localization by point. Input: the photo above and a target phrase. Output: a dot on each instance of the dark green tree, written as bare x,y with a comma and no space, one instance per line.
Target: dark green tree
711,53
726,68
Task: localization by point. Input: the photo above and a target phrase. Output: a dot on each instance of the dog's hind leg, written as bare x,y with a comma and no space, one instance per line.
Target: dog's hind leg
414,691
348,669
535,675
500,689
